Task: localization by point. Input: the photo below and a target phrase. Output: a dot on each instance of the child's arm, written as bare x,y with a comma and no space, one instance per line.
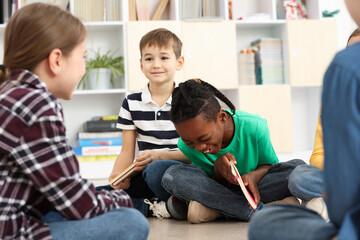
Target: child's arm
125,157
149,156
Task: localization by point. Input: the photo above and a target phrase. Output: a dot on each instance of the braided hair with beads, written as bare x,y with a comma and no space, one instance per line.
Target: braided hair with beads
195,97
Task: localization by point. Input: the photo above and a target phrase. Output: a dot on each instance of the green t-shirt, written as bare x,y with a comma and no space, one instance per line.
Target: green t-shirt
251,146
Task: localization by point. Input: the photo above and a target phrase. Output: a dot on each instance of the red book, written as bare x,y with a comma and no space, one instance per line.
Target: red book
247,194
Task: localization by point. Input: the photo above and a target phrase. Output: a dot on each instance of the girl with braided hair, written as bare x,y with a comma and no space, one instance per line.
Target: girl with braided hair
213,138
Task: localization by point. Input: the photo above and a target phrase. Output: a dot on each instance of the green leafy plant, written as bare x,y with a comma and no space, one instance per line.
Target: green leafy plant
116,64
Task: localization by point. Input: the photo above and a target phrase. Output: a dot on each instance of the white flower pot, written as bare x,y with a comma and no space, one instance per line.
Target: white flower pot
100,78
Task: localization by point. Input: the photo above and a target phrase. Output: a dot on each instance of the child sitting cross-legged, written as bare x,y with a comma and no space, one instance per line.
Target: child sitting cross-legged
213,138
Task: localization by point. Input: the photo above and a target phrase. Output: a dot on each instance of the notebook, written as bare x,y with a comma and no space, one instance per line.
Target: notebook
128,172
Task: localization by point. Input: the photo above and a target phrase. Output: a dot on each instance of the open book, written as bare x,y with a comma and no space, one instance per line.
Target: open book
128,172
247,194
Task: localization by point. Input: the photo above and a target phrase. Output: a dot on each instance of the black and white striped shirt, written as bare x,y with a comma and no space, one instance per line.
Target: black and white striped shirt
154,130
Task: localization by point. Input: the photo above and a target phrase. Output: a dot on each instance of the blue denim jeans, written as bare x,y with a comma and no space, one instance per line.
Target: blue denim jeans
189,182
284,222
122,223
307,182
148,185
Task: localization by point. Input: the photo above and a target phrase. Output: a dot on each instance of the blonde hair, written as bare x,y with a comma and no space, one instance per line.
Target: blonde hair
34,31
161,37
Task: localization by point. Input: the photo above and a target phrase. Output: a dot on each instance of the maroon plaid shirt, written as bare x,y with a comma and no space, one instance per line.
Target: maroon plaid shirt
38,169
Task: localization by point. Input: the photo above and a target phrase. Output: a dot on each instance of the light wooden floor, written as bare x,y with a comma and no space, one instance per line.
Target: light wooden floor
170,229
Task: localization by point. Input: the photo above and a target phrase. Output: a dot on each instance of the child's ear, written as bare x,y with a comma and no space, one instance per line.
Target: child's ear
180,63
222,115
141,65
55,61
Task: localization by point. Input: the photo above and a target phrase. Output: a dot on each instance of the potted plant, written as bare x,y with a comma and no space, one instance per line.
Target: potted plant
101,71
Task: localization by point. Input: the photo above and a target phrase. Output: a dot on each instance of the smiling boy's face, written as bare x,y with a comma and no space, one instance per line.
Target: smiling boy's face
160,64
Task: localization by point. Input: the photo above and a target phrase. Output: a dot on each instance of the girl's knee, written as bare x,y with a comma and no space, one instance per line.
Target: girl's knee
134,222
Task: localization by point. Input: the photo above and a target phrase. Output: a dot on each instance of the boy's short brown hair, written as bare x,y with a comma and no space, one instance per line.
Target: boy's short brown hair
161,37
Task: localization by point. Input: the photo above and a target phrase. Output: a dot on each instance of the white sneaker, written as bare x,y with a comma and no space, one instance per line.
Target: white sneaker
318,205
158,208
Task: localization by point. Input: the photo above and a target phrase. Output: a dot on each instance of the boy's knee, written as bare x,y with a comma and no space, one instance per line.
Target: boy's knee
168,175
172,173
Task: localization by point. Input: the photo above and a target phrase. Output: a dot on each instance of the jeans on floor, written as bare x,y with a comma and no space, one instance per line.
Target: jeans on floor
307,182
289,222
122,223
189,182
148,185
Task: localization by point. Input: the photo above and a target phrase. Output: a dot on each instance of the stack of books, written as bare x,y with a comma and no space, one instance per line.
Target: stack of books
98,10
144,10
100,140
269,67
200,9
246,67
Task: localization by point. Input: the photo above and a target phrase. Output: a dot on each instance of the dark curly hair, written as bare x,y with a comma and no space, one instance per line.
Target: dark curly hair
196,97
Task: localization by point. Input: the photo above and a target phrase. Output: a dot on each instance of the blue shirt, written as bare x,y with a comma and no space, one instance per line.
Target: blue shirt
341,131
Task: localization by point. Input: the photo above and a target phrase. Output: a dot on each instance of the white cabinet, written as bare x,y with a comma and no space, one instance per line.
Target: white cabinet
311,47
210,48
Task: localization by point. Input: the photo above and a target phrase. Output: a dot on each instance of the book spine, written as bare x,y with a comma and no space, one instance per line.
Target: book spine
105,118
160,9
94,135
97,158
97,150
101,126
100,142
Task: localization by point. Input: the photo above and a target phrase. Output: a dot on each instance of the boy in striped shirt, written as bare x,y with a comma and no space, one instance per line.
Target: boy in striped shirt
149,137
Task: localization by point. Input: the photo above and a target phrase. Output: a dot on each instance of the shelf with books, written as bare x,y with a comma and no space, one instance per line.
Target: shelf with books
98,10
203,10
145,10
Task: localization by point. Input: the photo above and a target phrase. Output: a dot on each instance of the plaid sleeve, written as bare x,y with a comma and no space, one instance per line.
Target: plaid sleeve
51,165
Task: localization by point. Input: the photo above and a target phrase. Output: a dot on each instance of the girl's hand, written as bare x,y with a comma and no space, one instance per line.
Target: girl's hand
250,183
146,157
222,169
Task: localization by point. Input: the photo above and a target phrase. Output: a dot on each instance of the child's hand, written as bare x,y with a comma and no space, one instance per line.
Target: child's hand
123,184
146,157
222,168
250,183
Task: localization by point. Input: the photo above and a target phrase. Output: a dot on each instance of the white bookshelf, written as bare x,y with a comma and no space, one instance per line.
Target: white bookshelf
305,100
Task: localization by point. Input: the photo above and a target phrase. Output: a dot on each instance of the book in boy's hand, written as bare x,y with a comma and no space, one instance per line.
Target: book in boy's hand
247,194
128,172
